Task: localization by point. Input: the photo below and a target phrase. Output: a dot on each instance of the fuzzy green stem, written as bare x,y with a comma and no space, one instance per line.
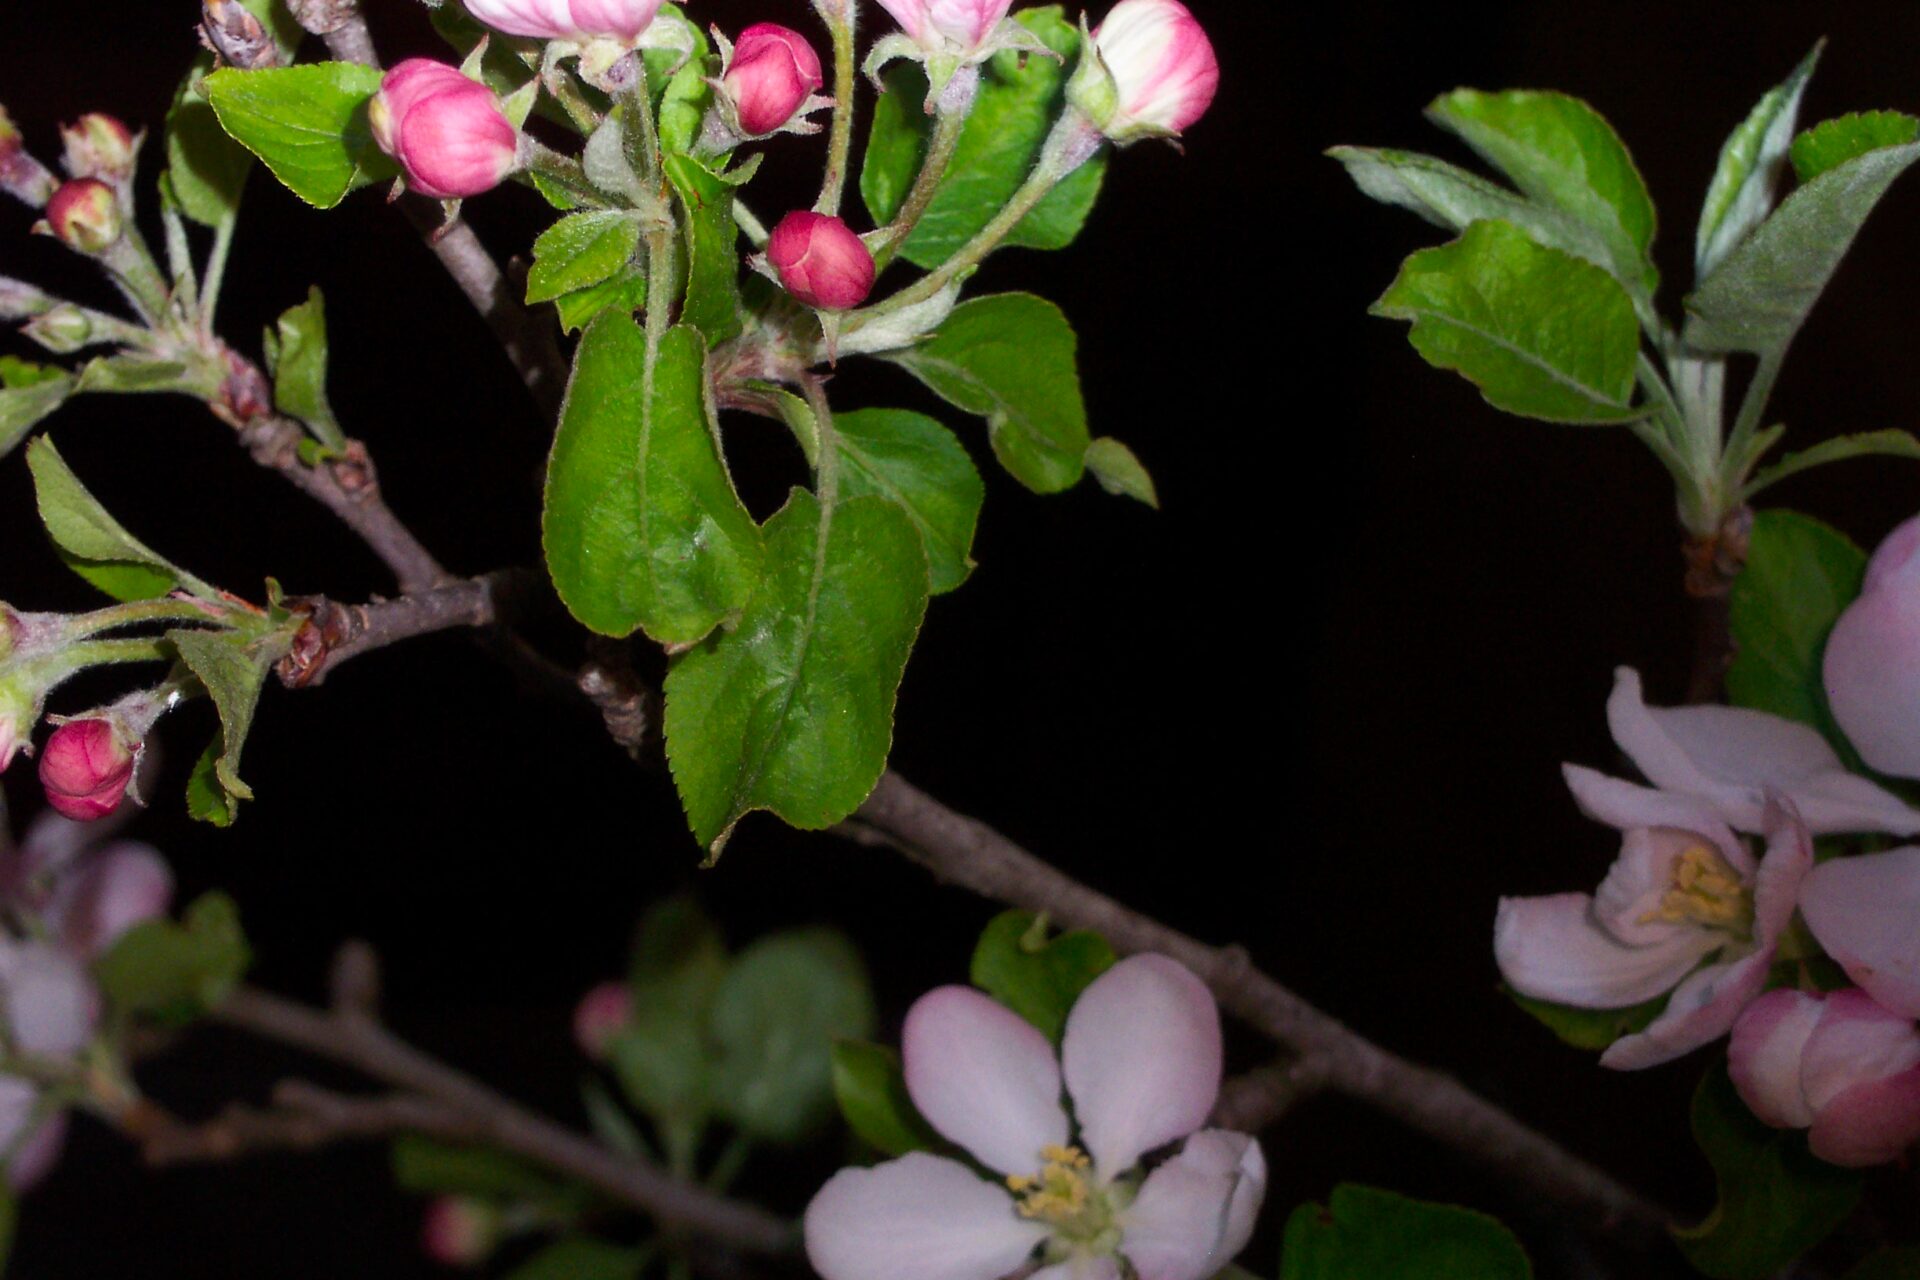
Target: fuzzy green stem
948,125
102,653
840,141
1753,407
166,609
216,273
130,263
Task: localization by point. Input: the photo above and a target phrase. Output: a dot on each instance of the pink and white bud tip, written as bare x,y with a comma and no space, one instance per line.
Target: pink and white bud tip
86,768
99,146
1152,72
84,215
821,261
448,132
772,74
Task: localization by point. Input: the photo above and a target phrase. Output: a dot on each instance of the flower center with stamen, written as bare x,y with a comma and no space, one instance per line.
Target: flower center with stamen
1063,1196
1705,890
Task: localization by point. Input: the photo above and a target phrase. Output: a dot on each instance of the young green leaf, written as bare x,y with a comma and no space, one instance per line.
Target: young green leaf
1777,1200
871,1089
663,1059
713,262
1761,294
234,670
624,294
172,973
919,465
1589,1029
1564,154
580,251
428,1166
792,710
1800,575
206,168
1541,333
1019,99
643,529
1890,443
307,123
93,543
28,393
299,366
134,374
1750,163
583,1258
1384,1236
1037,977
1834,142
1012,359
1120,472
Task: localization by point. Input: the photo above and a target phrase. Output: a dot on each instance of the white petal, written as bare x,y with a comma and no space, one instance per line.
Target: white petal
1552,948
1628,902
1703,1009
18,1098
985,1077
916,1218
1196,1211
1764,1056
50,1001
121,886
1080,1269
1626,806
1863,910
1142,1057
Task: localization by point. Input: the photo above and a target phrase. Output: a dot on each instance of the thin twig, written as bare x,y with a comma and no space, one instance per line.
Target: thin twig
304,1117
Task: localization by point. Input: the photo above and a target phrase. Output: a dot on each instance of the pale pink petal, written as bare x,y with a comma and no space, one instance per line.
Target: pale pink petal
910,14
1552,948
1628,902
1626,806
124,885
1081,1268
1872,664
39,1153
1703,1009
1857,1040
1869,1124
1142,1058
537,19
622,20
916,1218
1196,1212
985,1077
1863,910
1764,1056
50,1001
1783,871
18,1099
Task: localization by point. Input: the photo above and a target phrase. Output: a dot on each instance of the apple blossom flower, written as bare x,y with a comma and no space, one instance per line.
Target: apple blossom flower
574,21
1863,910
87,766
821,261
448,132
84,215
951,38
1840,1066
1151,73
1140,1059
1872,664
771,76
952,28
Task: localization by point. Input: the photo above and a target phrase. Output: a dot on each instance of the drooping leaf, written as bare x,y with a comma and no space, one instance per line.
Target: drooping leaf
92,542
871,1089
28,393
643,529
1120,472
1891,443
131,373
781,1007
1750,163
172,973
1036,976
1012,359
1832,143
1777,1200
1589,1029
1016,107
1383,1236
580,251
298,360
1541,333
234,670
792,710
1800,575
582,1258
713,261
307,123
1761,294
1564,154
663,1059
206,169
919,465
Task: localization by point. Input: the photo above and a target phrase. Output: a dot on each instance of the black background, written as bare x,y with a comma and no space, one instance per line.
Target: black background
1316,706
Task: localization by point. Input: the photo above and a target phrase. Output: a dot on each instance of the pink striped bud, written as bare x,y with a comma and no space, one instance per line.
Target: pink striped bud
1155,74
459,1232
99,146
770,77
952,27
447,131
84,215
821,261
21,176
86,767
600,1016
576,21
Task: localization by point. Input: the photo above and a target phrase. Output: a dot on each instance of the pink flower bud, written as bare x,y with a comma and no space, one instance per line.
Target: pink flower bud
953,27
447,131
821,261
21,176
84,215
1839,1066
99,146
86,767
459,1232
574,20
773,72
600,1016
1164,72
1872,665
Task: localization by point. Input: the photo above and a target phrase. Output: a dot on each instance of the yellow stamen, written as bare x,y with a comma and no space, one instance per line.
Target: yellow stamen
1705,890
1060,1195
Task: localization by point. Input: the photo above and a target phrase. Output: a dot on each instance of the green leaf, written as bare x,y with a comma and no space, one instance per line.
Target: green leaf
580,251
1800,575
1011,117
92,542
299,366
784,1003
713,265
1759,297
1742,192
429,1166
871,1089
662,1059
1541,333
792,710
28,393
1564,154
1384,1236
1832,143
1897,1263
1589,1029
173,973
1891,443
234,670
643,529
206,168
1037,977
1012,359
625,294
581,1258
1120,472
1776,1199
307,123
131,373
919,465
207,800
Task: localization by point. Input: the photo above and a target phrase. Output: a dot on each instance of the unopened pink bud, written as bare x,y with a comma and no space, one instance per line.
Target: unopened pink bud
84,215
773,73
99,146
86,767
1164,72
459,1232
447,131
600,1016
577,21
821,261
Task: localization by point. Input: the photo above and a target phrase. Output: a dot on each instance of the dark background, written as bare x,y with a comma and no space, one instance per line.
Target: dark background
1316,706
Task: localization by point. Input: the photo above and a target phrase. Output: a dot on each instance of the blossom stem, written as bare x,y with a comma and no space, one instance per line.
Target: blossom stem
216,272
838,15
949,123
